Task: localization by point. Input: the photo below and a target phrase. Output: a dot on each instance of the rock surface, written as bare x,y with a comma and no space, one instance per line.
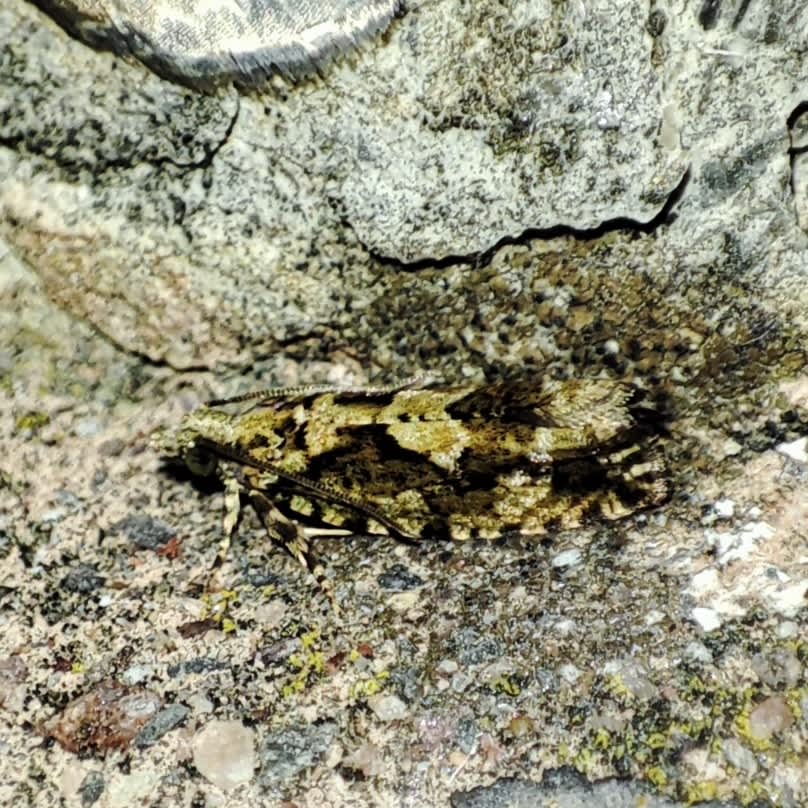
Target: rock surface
562,188
563,789
207,42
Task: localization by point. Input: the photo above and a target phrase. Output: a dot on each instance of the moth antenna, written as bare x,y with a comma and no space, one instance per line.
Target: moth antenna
301,391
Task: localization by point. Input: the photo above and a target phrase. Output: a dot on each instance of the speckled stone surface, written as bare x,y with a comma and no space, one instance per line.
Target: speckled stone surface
166,246
204,42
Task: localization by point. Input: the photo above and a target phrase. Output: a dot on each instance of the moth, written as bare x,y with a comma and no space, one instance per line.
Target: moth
425,461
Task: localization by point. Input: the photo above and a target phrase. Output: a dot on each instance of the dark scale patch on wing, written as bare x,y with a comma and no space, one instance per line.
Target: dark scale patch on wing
639,481
578,476
648,412
375,465
375,469
591,486
514,404
296,437
375,399
259,441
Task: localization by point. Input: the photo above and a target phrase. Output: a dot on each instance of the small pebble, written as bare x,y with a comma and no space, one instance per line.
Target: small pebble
387,707
569,558
91,788
106,717
724,508
135,674
460,681
83,579
88,427
796,450
654,617
569,673
145,531
521,726
224,753
447,666
707,619
769,717
287,752
739,756
163,722
399,578
787,629
698,652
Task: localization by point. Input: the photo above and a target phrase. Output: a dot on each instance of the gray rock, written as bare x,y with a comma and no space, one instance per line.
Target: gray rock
206,43
91,788
255,221
472,648
145,531
398,577
83,578
288,752
566,788
168,718
470,154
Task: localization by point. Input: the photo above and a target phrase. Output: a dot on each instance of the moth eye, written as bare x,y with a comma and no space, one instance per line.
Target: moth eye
200,463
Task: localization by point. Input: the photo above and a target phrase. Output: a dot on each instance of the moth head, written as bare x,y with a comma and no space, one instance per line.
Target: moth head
185,445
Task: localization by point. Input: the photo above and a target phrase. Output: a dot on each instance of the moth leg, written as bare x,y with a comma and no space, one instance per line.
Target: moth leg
313,532
233,488
294,538
232,507
280,528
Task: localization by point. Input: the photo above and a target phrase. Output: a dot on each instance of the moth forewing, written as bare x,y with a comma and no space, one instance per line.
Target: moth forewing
434,461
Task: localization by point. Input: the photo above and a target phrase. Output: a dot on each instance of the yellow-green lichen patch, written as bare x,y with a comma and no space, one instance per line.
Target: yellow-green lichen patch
506,685
365,688
666,740
32,422
217,607
704,791
306,666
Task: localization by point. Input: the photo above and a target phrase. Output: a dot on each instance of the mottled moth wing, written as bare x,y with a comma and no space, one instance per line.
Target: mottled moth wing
448,461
